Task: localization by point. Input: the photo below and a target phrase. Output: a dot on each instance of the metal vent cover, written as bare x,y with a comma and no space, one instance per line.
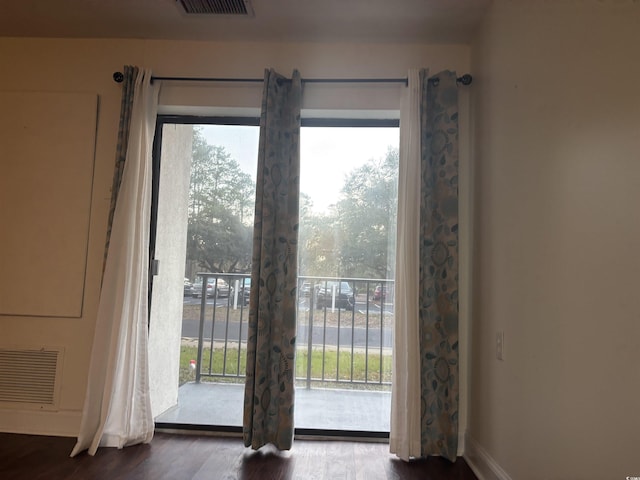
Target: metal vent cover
29,377
217,7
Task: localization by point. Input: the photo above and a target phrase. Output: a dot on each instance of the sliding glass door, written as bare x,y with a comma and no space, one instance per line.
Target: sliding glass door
345,270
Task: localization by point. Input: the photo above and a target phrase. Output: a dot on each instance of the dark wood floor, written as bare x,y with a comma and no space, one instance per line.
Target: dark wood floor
186,457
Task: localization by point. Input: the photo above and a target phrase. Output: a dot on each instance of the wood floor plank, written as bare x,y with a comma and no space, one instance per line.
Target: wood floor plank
341,465
225,457
201,457
266,464
369,460
307,456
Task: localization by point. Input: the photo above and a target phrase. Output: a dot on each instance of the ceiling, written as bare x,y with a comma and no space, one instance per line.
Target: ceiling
401,21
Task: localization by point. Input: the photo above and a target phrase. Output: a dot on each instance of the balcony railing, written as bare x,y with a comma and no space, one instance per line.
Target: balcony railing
344,330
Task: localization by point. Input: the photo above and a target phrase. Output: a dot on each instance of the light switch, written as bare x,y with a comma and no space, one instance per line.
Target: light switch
500,345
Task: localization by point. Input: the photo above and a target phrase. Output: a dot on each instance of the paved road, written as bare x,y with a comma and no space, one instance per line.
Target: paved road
319,336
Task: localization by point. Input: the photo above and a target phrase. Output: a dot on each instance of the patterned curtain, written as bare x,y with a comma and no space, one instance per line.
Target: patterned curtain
438,288
424,404
126,106
117,406
269,392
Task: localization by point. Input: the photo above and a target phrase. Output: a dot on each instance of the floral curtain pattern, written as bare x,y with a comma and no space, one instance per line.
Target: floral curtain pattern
126,106
438,288
269,389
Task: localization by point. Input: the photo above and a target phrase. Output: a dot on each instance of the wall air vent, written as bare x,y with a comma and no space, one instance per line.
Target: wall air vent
30,377
217,7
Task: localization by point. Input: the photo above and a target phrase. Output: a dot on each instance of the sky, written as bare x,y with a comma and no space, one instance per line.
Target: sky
327,154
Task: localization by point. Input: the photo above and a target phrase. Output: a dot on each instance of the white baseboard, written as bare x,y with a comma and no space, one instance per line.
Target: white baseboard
482,464
60,423
461,445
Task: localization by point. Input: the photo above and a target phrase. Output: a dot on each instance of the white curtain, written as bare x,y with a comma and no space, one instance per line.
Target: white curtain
405,436
117,410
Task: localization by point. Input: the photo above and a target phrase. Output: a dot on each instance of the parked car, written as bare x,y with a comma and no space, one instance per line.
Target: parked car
188,287
219,288
197,288
344,297
245,290
223,288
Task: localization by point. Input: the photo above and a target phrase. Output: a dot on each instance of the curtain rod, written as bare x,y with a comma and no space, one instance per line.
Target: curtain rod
465,79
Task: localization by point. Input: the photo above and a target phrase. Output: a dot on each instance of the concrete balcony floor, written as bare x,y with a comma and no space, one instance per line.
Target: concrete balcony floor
324,409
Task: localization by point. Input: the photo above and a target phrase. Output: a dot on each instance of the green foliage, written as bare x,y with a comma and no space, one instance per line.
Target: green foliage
316,255
367,217
365,368
220,210
357,237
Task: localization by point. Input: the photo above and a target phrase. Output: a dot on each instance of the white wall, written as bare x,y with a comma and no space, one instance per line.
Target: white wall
556,236
87,65
62,66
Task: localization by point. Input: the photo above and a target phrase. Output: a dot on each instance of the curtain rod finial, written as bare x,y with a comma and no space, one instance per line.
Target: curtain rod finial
465,79
118,77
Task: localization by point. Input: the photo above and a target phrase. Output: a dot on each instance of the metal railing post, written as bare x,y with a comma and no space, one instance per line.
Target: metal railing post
203,305
310,342
353,330
366,339
242,300
382,299
328,338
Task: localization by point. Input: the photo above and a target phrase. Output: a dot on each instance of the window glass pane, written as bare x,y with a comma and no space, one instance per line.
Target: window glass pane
347,230
222,198
348,205
348,201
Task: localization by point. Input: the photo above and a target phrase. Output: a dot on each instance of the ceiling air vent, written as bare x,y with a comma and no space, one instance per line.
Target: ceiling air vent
216,7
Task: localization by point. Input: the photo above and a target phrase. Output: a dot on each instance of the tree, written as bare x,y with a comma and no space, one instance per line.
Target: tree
220,210
356,238
367,218
316,254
